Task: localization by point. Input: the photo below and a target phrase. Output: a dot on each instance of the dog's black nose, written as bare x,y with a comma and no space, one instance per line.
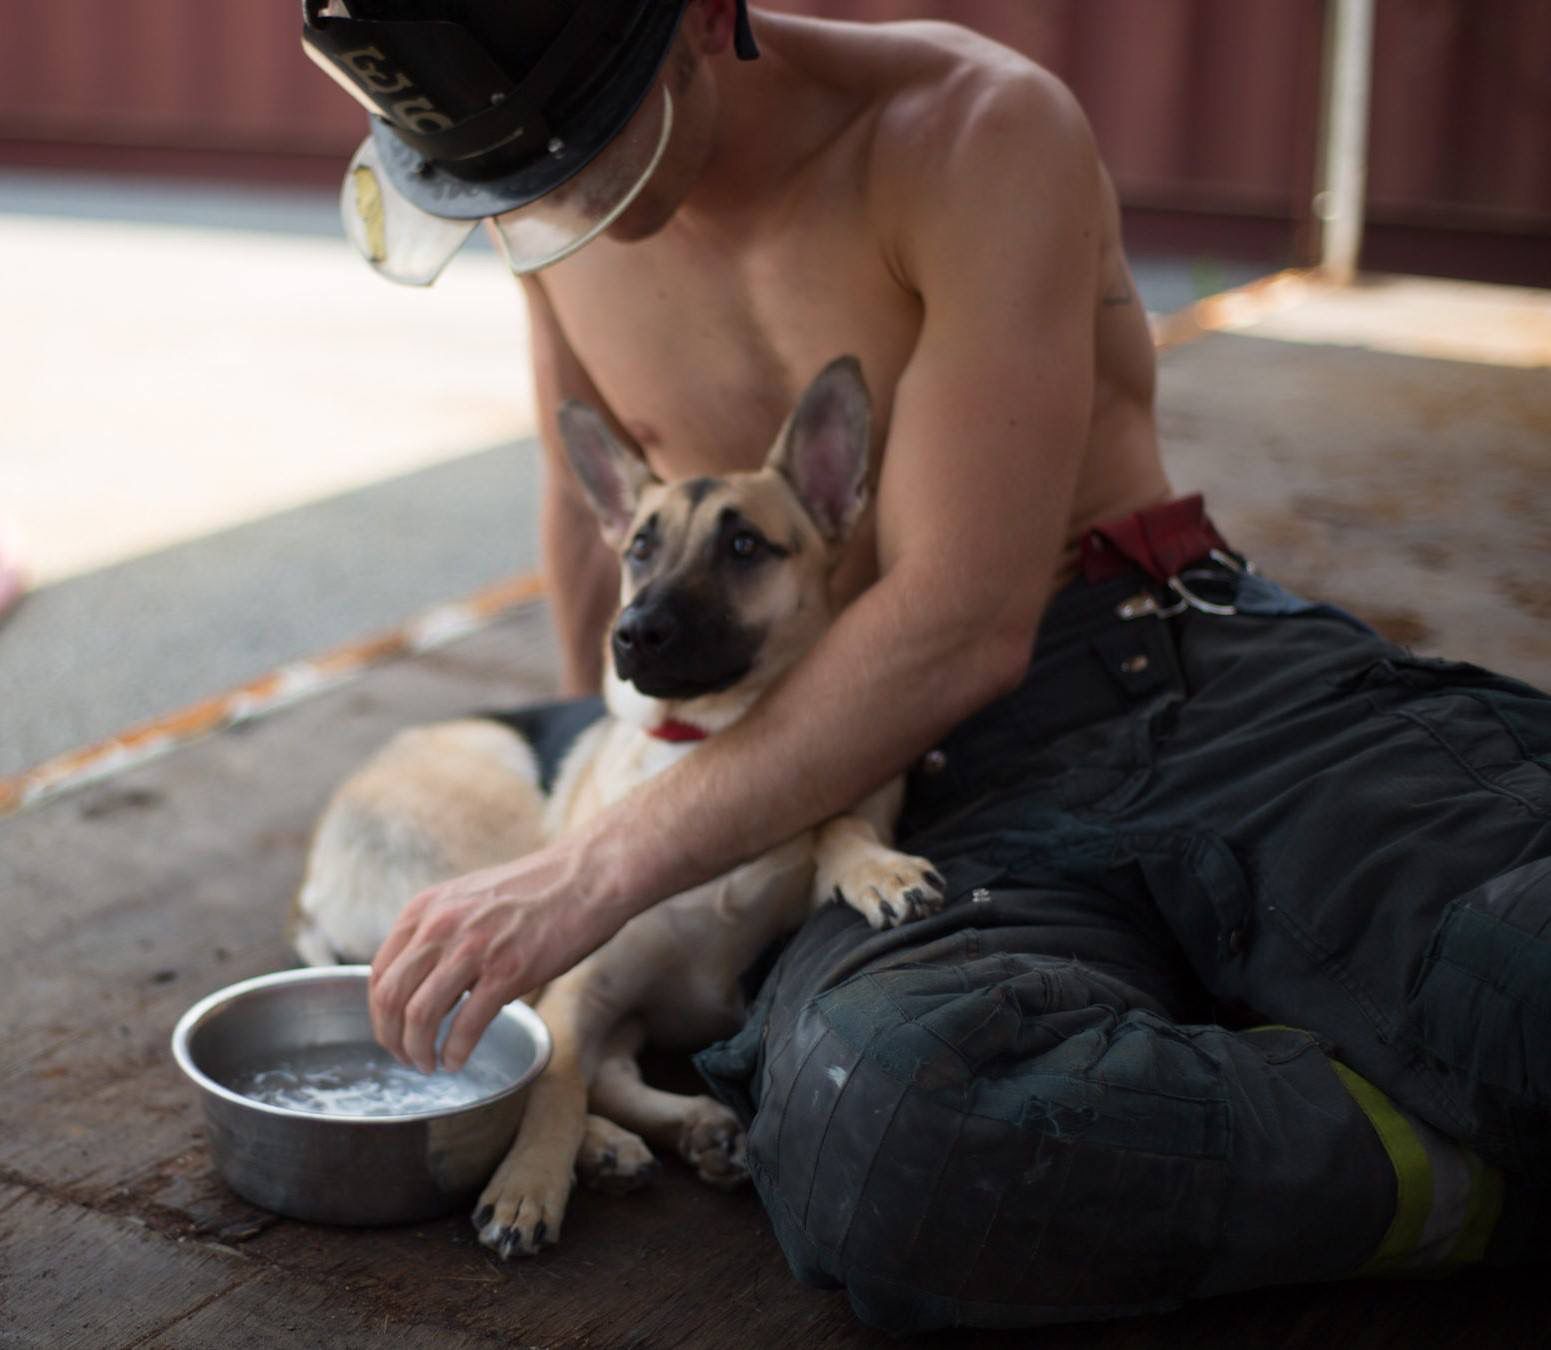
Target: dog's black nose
645,631
677,645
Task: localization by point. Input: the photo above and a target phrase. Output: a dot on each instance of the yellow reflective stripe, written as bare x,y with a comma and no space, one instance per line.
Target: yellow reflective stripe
1416,1181
1486,1207
1413,1173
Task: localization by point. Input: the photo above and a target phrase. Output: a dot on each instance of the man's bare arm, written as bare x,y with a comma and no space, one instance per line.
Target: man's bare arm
989,423
582,575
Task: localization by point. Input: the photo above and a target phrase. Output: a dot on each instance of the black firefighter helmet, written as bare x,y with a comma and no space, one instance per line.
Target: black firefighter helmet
544,115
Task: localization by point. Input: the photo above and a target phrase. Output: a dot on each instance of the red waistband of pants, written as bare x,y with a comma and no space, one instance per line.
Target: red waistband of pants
1162,541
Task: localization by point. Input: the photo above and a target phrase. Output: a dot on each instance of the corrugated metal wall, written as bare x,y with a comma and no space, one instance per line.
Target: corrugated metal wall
167,73
1215,103
1206,106
1462,112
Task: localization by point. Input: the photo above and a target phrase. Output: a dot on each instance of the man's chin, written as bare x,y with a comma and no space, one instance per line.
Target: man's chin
624,235
641,221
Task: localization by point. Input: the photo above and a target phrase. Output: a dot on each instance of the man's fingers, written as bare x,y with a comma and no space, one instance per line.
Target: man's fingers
431,1001
398,937
388,996
442,945
485,1000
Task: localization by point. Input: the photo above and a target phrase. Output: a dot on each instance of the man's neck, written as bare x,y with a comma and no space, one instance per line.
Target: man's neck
773,115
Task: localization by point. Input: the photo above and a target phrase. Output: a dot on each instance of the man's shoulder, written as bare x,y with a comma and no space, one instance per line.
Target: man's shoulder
953,110
930,80
936,91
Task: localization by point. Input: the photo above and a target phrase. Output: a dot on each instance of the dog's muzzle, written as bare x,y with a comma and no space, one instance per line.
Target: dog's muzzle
669,649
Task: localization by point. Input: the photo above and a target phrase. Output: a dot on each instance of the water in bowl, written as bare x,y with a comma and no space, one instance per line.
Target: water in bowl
361,1079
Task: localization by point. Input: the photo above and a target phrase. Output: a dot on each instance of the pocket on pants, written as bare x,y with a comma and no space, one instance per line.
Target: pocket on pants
1481,1010
1495,729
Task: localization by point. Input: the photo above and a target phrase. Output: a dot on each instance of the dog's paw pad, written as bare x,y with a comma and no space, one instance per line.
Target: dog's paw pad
613,1159
888,888
515,1221
713,1143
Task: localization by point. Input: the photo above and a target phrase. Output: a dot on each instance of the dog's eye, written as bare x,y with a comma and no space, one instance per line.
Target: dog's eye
640,547
745,544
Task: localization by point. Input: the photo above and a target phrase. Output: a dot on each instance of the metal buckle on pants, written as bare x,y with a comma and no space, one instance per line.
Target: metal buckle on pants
1144,603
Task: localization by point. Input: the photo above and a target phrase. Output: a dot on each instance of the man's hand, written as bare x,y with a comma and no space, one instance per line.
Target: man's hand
494,934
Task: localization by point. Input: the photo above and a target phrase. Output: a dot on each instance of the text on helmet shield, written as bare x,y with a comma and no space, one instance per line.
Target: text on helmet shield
370,66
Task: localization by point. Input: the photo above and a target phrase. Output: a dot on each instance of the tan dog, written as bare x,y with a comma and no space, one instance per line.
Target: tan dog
724,587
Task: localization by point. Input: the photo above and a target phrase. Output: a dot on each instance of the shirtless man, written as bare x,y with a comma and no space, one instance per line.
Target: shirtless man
1045,1103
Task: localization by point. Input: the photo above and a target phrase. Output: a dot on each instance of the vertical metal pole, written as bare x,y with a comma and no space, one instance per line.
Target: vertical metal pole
1344,139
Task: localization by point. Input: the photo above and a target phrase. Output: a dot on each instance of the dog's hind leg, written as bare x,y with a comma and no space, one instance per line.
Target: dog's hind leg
614,1160
703,1132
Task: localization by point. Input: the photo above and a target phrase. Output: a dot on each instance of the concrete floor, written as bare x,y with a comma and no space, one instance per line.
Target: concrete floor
168,378
90,655
227,445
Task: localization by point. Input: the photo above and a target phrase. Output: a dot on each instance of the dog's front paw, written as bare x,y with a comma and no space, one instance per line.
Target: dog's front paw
521,1209
888,888
614,1160
712,1141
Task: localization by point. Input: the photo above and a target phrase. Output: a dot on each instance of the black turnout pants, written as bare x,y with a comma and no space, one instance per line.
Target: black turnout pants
1244,978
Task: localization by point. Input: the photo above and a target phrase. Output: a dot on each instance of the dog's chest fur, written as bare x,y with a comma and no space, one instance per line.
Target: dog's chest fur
699,942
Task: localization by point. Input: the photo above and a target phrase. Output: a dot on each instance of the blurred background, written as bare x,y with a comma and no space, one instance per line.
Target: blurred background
1207,111
225,444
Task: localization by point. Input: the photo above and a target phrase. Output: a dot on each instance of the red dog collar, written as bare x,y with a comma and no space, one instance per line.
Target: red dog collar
674,730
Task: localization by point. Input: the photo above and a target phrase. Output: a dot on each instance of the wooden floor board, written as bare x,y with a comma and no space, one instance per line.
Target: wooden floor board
72,1277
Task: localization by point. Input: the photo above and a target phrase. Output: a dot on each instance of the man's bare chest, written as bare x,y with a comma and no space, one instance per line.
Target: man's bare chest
701,355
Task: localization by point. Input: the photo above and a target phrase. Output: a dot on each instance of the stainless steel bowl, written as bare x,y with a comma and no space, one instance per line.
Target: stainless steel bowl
345,1169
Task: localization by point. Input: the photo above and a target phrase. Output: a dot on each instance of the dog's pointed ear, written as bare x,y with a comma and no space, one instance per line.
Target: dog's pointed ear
823,449
611,474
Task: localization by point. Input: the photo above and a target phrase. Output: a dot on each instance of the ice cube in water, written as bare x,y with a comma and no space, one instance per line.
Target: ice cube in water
361,1080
